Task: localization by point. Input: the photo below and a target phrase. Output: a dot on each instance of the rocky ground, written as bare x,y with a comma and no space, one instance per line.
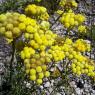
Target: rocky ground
81,86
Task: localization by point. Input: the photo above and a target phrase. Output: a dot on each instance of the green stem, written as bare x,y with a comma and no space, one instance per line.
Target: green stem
12,60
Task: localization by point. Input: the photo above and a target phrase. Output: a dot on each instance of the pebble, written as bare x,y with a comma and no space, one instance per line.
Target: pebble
52,82
51,89
47,84
73,84
81,90
28,85
86,85
58,94
78,91
93,91
73,94
41,87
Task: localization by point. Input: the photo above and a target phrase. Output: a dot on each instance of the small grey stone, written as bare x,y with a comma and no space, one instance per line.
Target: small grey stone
52,81
62,87
41,87
52,69
73,84
78,91
81,90
93,91
86,85
73,94
51,89
47,84
28,85
58,94
86,90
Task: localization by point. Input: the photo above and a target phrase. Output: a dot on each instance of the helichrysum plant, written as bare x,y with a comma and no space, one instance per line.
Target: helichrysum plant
42,47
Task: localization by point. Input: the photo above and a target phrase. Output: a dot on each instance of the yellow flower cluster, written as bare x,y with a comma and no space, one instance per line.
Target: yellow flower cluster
35,64
27,52
39,39
11,25
67,48
34,58
81,45
39,49
68,3
42,37
85,66
79,64
59,12
39,58
37,11
82,29
70,19
57,53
